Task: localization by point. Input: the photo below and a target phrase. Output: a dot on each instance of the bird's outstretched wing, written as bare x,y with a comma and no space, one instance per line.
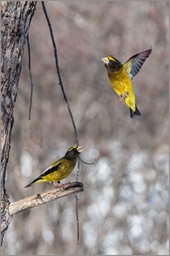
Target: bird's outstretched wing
134,64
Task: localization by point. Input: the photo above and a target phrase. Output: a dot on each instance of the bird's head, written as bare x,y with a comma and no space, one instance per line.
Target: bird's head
73,152
111,63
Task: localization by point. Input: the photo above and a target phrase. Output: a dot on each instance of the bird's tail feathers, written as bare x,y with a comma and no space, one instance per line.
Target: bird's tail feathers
136,113
30,184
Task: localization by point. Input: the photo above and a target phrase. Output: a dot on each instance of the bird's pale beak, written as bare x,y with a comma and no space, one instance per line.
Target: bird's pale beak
105,60
80,149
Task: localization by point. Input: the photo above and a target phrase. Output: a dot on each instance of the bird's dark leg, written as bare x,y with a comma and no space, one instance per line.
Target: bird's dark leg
58,184
120,98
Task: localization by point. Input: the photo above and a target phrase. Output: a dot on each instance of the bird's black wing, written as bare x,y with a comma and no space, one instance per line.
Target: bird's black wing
51,169
134,64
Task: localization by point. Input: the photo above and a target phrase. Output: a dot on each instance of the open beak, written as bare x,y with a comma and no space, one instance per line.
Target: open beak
105,60
80,149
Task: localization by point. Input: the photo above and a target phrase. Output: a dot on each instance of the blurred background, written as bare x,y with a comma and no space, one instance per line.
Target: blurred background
124,207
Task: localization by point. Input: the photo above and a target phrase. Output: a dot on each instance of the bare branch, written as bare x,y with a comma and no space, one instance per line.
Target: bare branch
66,101
38,199
59,75
30,75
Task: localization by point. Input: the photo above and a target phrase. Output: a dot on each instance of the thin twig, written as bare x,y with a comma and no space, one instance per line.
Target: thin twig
30,75
58,73
77,218
67,103
77,201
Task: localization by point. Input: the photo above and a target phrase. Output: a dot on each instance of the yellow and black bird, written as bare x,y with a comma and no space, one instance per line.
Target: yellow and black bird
61,168
121,75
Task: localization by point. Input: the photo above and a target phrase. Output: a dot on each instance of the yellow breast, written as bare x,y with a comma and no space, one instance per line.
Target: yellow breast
122,84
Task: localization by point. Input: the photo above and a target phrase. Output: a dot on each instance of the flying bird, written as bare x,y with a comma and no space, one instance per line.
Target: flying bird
121,75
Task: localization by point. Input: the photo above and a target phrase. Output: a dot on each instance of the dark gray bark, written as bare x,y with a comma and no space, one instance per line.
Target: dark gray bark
16,19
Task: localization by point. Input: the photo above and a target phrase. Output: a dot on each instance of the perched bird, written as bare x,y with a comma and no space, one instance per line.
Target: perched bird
61,168
121,75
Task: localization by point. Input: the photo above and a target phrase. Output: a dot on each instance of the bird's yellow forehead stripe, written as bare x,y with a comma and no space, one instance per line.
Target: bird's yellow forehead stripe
79,149
73,148
111,58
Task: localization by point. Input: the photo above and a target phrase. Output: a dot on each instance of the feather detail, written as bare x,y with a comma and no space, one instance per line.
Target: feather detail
134,64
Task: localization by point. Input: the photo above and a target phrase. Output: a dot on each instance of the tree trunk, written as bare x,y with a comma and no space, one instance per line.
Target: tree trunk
16,19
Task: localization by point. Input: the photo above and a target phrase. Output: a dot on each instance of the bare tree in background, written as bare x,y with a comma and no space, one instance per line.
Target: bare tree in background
16,19
124,209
